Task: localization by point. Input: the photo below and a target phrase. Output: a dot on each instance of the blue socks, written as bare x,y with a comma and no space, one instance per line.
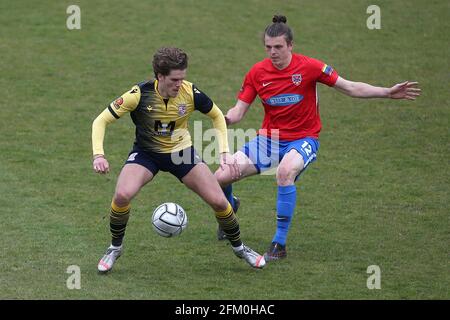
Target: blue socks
228,191
286,200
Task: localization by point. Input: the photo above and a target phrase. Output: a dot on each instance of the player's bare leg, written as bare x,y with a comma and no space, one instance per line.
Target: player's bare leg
246,168
225,179
289,168
131,179
201,180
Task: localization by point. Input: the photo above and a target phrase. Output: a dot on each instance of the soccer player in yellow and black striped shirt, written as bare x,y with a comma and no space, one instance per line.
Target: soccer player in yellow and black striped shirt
160,110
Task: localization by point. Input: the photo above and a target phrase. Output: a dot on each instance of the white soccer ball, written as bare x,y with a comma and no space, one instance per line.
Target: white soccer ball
169,219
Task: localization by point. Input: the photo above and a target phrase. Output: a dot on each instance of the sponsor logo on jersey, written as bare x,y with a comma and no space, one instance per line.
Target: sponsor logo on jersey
181,109
164,129
117,103
282,100
297,79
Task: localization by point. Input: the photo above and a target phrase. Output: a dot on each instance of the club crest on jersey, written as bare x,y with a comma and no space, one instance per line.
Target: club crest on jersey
117,103
181,109
297,79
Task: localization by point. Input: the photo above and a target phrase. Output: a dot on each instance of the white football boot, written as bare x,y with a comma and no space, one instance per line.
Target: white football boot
252,257
112,254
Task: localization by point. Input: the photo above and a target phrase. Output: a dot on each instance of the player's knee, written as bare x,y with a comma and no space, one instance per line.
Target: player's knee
285,176
223,177
122,197
219,203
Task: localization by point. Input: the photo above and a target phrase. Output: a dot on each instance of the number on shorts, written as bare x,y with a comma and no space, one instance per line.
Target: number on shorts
307,148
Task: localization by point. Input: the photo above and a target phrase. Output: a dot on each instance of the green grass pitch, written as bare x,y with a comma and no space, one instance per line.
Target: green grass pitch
378,194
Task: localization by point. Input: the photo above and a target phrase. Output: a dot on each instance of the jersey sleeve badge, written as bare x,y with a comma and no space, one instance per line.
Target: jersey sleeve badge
117,103
328,70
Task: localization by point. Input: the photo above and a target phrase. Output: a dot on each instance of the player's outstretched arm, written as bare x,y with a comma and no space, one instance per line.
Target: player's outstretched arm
405,90
225,157
127,102
100,164
235,114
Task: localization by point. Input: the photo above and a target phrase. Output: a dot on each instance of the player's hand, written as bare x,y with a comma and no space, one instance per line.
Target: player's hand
227,160
405,90
100,164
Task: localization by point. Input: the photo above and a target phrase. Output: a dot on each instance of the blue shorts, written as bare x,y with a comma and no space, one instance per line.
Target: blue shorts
266,153
178,163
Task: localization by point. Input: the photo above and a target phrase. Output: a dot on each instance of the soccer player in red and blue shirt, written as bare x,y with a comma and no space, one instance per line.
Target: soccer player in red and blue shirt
286,84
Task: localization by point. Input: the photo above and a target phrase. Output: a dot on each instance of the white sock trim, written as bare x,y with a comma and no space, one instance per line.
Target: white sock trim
236,249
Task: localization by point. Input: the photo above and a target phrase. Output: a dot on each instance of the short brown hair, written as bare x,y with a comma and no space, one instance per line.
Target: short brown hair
167,59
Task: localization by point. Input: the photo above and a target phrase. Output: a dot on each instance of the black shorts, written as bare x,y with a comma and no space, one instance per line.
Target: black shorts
177,163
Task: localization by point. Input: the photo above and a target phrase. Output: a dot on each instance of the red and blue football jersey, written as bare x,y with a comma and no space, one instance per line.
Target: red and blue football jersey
289,96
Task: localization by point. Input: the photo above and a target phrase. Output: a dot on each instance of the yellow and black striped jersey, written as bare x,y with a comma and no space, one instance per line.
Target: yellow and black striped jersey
161,124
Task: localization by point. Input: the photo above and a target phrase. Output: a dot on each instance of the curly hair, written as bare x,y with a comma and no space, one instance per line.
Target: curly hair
167,59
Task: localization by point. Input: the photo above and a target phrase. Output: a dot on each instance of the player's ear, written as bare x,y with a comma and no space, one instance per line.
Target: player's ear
290,45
